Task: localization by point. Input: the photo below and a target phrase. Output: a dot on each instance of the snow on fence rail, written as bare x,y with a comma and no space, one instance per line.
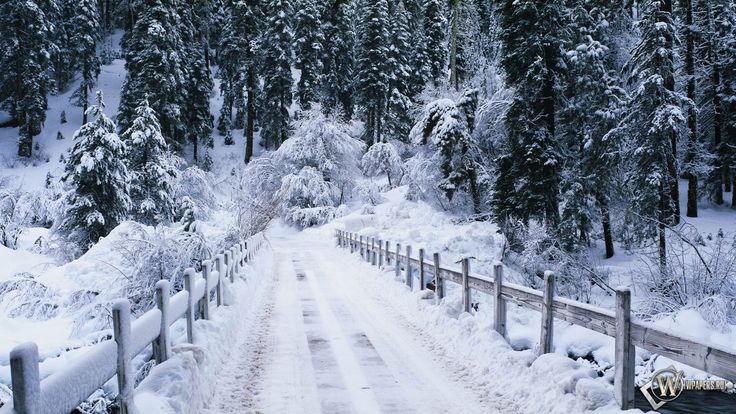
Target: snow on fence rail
64,390
628,331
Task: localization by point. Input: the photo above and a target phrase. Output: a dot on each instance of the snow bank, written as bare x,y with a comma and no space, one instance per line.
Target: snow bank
186,382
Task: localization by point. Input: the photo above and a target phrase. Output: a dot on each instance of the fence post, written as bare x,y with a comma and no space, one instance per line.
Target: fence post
221,270
374,256
246,253
439,283
367,249
466,286
407,271
380,253
121,333
351,243
25,378
398,262
204,307
421,269
388,258
189,286
545,341
623,379
234,265
499,316
360,247
162,346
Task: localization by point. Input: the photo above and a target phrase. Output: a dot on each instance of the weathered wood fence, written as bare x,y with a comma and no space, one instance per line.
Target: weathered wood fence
65,389
628,331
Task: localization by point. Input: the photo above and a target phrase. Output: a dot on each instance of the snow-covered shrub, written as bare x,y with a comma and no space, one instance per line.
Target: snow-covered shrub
369,192
307,198
158,254
697,276
198,185
20,209
447,160
254,198
317,169
383,158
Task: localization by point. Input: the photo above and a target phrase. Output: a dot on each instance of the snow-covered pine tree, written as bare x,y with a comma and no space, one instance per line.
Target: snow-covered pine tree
308,40
594,101
25,48
338,58
277,79
84,36
435,31
528,168
151,168
652,126
372,83
398,119
153,54
95,170
448,157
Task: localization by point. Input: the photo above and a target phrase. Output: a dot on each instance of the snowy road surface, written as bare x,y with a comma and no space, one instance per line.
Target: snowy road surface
322,343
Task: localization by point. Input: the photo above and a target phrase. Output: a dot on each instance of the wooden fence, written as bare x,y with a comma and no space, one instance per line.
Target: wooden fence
628,331
65,389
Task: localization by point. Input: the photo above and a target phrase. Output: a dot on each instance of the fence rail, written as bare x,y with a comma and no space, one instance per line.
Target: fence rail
65,389
628,331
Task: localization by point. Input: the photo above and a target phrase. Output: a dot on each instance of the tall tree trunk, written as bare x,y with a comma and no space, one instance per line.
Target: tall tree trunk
607,230
717,134
661,228
692,120
251,114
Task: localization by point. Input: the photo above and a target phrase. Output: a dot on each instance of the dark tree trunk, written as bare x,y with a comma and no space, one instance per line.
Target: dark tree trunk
251,115
674,190
661,228
607,231
692,120
717,138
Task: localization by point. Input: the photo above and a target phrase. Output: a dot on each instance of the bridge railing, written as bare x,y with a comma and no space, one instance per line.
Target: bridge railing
629,332
65,389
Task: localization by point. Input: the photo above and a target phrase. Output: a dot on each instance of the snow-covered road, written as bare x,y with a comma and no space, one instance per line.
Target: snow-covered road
322,342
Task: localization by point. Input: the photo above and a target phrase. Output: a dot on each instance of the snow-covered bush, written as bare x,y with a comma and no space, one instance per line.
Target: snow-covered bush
307,198
155,254
699,275
20,209
383,158
197,185
369,192
315,169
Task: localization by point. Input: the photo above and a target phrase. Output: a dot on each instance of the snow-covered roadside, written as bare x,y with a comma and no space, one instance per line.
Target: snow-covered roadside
186,382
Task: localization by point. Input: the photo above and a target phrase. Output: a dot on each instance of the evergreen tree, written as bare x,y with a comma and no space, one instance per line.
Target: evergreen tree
594,100
197,86
154,62
528,169
435,30
63,31
338,58
652,126
308,42
25,48
95,171
277,79
372,76
85,34
398,119
150,166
